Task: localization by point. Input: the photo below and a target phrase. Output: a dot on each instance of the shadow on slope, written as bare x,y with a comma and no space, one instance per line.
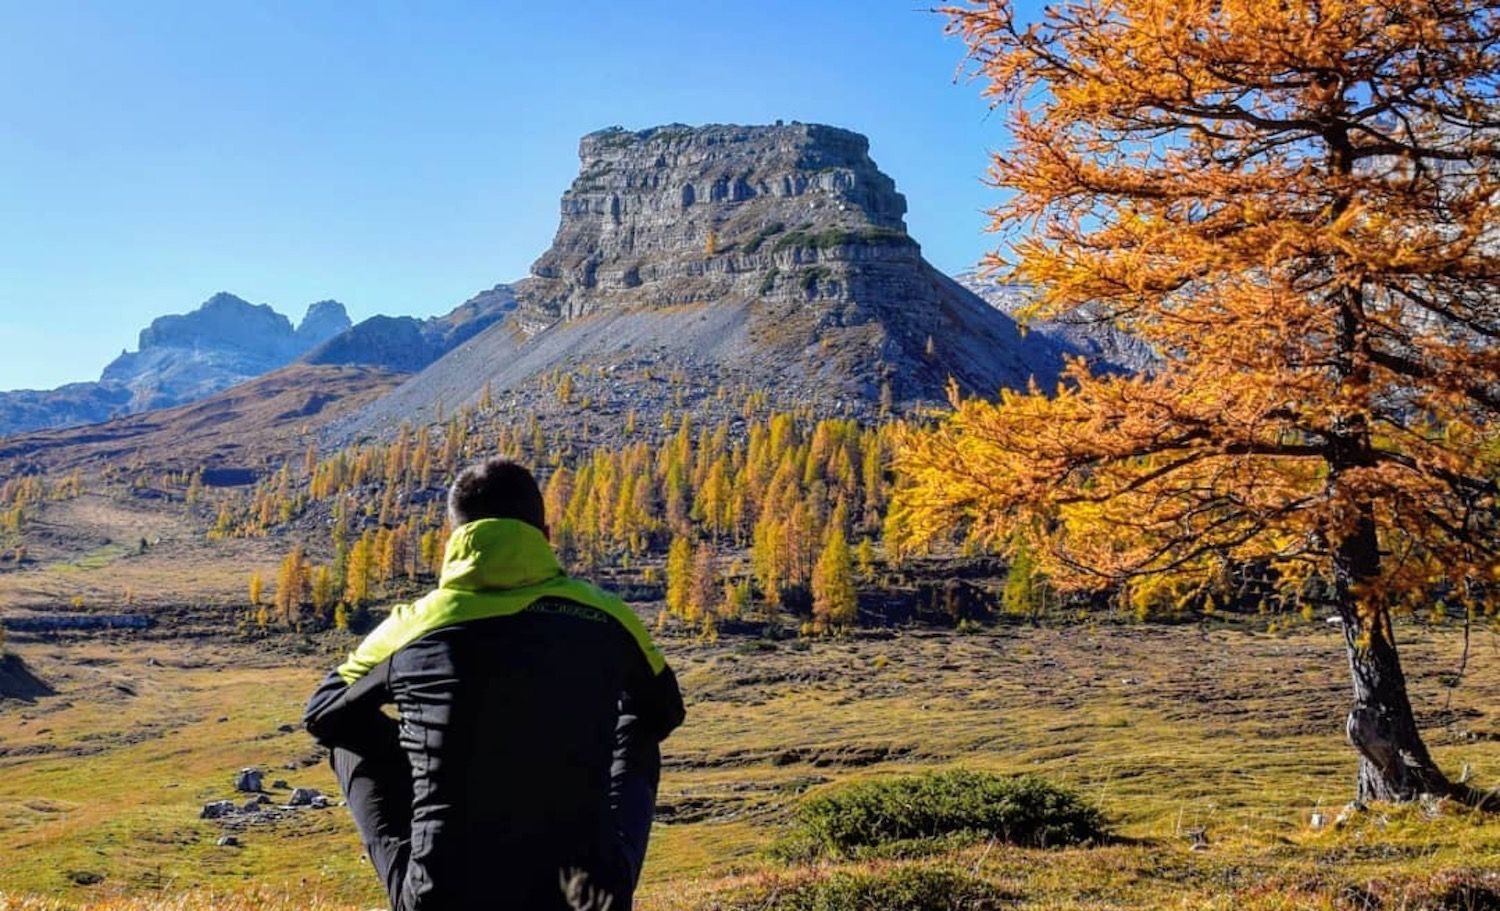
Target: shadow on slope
18,682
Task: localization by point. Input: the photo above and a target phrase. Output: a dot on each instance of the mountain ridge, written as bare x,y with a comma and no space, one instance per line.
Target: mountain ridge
226,341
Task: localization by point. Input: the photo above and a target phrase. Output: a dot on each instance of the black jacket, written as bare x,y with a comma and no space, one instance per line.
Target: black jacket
524,698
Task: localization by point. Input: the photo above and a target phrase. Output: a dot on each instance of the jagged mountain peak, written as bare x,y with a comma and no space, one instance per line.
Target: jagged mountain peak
323,320
180,358
224,320
407,344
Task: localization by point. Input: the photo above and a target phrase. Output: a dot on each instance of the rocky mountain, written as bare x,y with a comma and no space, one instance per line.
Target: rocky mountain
180,358
1096,340
226,341
770,258
406,344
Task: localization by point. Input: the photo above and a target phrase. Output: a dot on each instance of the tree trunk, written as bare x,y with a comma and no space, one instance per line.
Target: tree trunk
1394,764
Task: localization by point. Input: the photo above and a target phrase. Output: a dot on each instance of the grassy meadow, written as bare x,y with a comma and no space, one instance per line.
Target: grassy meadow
1208,746
1208,749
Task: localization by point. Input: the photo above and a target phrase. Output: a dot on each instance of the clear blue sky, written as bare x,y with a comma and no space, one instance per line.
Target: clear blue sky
397,156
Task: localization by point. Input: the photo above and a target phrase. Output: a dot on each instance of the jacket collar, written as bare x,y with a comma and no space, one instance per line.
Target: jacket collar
497,554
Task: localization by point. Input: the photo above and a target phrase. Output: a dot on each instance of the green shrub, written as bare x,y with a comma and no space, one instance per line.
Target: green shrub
829,238
810,277
913,888
753,244
1024,810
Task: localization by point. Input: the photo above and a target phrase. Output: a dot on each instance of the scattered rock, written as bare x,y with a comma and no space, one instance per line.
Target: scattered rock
248,780
228,841
85,878
1318,820
218,809
1432,806
304,797
1351,809
1198,835
279,785
287,728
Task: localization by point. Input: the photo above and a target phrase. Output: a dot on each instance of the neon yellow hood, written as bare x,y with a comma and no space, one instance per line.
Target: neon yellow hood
491,568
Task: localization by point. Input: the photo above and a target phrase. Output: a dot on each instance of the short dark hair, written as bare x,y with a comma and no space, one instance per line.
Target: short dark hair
496,489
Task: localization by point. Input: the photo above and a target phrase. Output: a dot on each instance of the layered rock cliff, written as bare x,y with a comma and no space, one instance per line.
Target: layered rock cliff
735,257
675,215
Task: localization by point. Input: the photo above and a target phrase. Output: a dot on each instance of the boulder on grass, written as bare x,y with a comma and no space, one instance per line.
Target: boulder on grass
304,797
248,780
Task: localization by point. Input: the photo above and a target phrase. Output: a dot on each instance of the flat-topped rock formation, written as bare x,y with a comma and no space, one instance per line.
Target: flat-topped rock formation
758,257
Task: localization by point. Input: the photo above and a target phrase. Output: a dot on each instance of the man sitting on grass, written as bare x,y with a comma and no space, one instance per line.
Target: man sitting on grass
525,757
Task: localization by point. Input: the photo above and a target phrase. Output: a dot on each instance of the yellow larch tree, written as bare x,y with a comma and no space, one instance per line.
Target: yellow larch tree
1294,205
359,570
321,592
291,586
679,576
703,585
834,600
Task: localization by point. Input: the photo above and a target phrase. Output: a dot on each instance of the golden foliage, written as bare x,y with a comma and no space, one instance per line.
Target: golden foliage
1294,204
834,599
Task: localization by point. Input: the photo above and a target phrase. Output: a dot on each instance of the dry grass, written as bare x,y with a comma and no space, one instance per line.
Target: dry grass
89,549
1168,729
252,899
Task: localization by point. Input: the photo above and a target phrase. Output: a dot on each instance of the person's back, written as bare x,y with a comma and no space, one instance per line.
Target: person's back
530,706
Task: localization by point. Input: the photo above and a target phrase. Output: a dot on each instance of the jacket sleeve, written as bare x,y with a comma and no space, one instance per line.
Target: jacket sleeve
656,701
650,709
343,714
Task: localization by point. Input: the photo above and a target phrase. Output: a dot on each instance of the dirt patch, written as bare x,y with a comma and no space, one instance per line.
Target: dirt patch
700,809
840,756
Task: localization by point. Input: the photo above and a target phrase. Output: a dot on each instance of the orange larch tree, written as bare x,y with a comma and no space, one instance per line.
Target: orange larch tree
1294,204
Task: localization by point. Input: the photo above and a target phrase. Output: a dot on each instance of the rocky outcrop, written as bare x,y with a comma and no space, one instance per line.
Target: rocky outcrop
323,321
223,323
768,258
18,682
181,358
796,218
227,340
679,215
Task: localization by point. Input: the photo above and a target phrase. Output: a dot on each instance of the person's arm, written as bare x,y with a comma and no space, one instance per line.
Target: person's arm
650,709
371,767
346,709
347,714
